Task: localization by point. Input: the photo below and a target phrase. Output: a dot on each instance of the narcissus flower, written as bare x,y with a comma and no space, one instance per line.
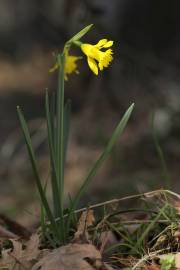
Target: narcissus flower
70,65
96,57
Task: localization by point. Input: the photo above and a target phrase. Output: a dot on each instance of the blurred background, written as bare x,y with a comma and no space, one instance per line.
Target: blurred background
145,70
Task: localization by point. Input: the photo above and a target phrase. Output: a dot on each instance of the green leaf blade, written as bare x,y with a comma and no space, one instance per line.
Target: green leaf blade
117,132
54,181
67,114
35,170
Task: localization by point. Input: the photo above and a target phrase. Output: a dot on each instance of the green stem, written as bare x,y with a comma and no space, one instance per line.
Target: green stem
60,137
78,43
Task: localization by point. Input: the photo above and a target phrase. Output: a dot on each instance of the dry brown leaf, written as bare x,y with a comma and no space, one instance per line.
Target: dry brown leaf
32,248
7,261
73,256
31,252
90,219
107,239
17,249
86,220
10,262
22,257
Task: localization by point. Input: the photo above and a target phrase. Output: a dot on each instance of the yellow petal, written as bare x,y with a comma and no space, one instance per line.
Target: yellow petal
93,66
86,48
108,44
101,43
100,66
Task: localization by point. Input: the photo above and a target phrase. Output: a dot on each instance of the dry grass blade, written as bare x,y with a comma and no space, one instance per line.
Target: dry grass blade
131,197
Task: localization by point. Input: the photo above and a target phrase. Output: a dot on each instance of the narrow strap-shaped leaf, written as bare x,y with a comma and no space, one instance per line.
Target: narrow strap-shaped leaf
149,227
67,114
35,170
43,215
52,106
54,181
117,132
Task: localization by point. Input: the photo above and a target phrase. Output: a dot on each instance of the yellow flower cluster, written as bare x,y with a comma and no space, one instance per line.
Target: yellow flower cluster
96,57
70,65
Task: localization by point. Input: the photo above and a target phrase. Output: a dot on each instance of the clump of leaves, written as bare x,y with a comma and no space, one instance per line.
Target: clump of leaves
138,235
110,238
58,122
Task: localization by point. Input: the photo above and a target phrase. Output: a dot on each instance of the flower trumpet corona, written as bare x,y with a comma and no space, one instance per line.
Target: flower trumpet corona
96,57
70,65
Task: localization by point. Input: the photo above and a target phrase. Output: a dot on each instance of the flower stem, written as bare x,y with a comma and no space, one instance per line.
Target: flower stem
77,43
60,138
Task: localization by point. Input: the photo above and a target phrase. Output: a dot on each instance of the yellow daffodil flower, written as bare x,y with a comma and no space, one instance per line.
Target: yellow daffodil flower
96,57
70,65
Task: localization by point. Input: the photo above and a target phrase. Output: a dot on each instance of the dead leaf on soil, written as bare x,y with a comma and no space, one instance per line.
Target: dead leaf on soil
22,257
32,248
107,239
73,256
86,219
